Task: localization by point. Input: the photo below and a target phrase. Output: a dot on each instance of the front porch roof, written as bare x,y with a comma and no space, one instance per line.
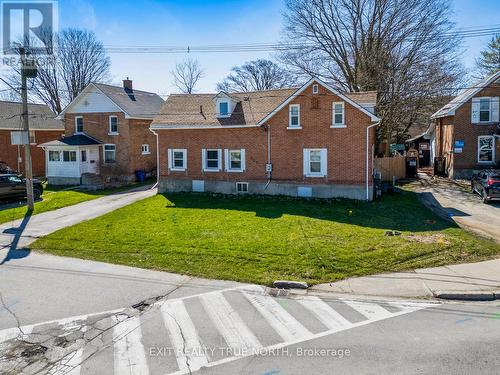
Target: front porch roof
73,140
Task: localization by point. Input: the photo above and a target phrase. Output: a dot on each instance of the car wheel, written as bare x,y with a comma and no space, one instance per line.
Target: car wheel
36,194
485,197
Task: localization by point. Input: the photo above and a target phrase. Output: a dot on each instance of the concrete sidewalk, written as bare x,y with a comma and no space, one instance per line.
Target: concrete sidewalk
470,281
21,233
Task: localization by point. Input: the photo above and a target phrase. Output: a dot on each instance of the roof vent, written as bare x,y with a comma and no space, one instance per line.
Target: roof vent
246,98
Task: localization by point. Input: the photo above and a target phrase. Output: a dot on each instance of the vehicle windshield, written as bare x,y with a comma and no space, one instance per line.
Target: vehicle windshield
15,179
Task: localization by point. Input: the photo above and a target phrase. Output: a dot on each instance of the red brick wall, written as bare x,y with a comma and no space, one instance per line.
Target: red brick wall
9,153
346,147
139,135
468,132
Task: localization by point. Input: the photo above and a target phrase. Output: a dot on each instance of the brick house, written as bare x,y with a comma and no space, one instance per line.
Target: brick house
466,130
310,141
107,136
43,128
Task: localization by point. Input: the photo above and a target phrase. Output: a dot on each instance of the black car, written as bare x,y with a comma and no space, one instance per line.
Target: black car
12,186
487,184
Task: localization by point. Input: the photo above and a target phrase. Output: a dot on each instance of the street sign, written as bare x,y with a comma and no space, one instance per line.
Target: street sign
459,144
19,138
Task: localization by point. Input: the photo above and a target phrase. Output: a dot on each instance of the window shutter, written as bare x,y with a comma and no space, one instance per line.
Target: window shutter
494,109
185,159
475,111
169,158
219,156
203,159
306,162
324,162
243,165
226,159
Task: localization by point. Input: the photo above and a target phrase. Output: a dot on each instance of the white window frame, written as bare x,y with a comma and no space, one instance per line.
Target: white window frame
69,152
171,163
76,124
299,125
56,152
227,160
220,114
335,124
32,137
204,154
145,149
315,88
323,162
104,153
110,131
493,156
242,191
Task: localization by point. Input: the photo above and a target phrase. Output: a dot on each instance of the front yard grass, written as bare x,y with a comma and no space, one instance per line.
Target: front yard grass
55,197
261,239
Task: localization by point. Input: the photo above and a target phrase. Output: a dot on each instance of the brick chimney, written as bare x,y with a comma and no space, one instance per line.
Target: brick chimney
127,84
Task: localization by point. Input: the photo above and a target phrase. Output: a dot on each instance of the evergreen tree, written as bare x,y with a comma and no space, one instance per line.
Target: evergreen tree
489,62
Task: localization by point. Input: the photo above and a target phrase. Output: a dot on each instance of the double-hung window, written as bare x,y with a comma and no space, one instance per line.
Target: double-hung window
109,153
145,149
211,159
484,110
338,115
78,124
113,125
235,160
315,162
54,156
294,116
69,156
177,159
486,149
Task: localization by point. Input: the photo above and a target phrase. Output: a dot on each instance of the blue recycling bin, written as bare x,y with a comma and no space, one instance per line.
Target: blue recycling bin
140,175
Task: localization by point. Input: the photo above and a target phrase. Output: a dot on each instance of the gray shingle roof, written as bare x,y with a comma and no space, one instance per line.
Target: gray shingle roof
136,103
40,117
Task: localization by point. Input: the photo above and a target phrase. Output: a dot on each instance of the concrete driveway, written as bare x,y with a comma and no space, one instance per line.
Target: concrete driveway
455,201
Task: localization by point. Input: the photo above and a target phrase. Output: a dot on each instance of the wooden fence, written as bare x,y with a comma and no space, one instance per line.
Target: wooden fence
389,167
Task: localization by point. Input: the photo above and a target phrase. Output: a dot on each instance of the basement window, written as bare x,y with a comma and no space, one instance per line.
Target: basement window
242,187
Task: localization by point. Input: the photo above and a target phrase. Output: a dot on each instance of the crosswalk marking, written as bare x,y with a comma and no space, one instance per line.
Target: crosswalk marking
189,352
370,310
227,321
129,354
284,323
325,314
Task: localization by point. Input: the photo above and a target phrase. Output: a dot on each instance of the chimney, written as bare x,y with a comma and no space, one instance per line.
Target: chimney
127,84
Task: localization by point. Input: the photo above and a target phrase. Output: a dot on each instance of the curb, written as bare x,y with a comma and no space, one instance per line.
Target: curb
468,296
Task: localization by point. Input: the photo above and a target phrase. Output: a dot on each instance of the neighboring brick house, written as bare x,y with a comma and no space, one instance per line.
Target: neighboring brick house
310,141
43,128
466,130
106,135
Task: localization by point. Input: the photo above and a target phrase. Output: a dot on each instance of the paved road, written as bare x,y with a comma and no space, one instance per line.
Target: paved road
463,207
244,330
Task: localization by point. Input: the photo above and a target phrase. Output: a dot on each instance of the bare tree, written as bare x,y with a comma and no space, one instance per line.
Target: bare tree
489,62
404,49
186,75
257,75
78,60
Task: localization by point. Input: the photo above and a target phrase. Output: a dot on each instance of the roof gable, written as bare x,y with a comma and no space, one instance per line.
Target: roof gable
450,108
328,87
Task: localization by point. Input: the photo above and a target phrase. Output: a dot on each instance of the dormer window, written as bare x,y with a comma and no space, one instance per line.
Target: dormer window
315,88
223,109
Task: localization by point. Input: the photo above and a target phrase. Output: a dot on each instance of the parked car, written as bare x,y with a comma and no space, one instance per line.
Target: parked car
487,184
12,186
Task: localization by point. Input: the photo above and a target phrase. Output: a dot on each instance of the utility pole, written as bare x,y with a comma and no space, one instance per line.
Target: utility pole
26,129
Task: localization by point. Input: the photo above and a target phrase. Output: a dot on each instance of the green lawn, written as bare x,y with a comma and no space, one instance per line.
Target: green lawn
260,239
54,197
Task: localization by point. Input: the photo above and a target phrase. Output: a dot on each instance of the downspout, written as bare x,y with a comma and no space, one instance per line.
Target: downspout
269,174
368,158
157,159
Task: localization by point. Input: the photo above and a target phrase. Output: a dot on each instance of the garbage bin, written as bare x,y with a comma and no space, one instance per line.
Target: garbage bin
140,175
411,166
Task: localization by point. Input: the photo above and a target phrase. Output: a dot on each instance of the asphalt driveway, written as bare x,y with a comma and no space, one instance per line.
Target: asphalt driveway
455,200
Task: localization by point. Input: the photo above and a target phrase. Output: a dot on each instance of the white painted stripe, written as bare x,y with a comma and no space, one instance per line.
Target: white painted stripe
185,341
284,323
69,365
324,312
371,310
411,306
230,325
129,354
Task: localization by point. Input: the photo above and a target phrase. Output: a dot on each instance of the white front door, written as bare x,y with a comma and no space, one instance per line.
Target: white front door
90,159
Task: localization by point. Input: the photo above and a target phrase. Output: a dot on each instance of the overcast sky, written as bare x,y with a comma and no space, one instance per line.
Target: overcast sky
209,22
